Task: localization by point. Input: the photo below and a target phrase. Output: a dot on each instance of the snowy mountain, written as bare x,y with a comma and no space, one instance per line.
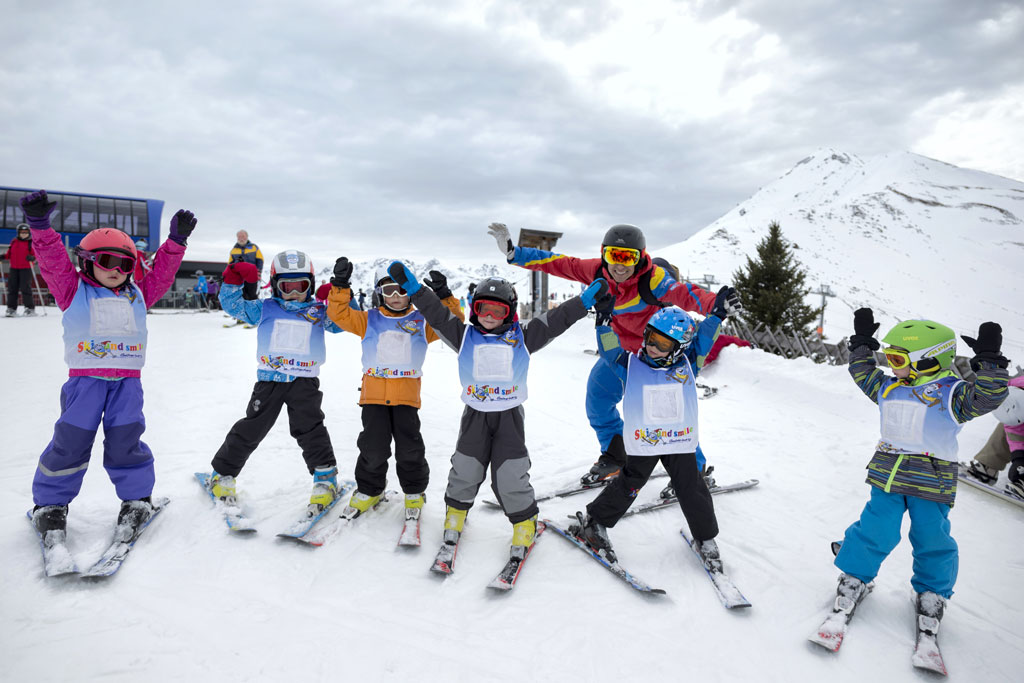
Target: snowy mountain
907,235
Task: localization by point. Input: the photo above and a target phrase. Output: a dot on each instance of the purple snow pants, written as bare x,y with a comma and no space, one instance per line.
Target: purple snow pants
84,403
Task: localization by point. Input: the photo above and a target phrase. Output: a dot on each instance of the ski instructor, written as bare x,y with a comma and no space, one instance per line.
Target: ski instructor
640,289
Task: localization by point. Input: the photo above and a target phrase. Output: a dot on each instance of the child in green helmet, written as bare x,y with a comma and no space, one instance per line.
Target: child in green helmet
914,468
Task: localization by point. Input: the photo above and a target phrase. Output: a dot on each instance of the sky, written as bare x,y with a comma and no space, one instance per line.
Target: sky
402,128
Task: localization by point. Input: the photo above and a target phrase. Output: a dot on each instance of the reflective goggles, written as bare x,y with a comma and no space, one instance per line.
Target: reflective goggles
897,358
109,260
391,289
288,286
662,342
621,256
494,309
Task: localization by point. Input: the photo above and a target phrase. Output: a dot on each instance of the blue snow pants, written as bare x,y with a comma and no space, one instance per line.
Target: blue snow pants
604,393
85,402
869,541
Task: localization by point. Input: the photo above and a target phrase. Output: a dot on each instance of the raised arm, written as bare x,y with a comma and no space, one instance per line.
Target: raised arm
568,267
54,264
447,327
971,400
168,258
862,354
338,308
231,300
537,333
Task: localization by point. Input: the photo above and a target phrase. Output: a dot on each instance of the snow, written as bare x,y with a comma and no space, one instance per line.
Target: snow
193,603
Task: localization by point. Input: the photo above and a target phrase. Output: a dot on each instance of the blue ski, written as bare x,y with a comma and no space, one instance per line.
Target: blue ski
237,522
614,567
299,530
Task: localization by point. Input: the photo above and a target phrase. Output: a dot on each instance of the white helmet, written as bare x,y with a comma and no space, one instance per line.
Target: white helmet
292,265
1011,411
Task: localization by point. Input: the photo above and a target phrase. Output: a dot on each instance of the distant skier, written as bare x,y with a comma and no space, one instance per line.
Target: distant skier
914,468
1006,444
105,342
660,424
494,360
640,289
20,256
290,350
245,251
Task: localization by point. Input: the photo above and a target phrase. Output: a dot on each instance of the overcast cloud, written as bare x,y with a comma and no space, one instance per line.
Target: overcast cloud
403,128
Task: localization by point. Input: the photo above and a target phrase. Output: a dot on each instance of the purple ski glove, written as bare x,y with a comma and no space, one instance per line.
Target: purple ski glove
182,225
37,208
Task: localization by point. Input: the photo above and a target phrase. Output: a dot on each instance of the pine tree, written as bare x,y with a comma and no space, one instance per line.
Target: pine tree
772,287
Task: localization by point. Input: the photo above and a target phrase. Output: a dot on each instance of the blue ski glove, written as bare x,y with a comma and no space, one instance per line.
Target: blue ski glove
404,277
594,291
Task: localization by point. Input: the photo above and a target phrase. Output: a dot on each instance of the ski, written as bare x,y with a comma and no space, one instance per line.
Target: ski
673,500
318,536
410,537
832,631
57,560
728,593
124,540
1003,493
571,490
444,562
237,522
926,649
614,567
300,530
506,578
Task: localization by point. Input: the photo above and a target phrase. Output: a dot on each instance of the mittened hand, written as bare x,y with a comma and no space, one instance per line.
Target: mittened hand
500,234
342,273
864,323
182,225
237,273
30,258
727,303
323,291
439,283
987,346
594,291
404,277
37,208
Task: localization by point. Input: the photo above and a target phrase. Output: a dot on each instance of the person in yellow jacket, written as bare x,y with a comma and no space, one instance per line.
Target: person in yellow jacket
245,251
395,338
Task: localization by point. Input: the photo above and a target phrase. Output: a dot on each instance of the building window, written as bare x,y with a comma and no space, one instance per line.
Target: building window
140,216
89,214
123,207
105,215
70,213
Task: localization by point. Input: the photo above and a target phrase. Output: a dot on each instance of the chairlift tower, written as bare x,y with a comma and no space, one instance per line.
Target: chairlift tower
824,291
538,239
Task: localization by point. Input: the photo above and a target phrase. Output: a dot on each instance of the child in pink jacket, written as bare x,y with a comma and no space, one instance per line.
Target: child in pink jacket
105,345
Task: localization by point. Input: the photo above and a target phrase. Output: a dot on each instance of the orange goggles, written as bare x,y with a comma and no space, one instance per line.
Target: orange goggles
897,358
662,342
621,256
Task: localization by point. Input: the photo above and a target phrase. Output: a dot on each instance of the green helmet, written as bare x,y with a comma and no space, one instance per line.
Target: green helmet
924,340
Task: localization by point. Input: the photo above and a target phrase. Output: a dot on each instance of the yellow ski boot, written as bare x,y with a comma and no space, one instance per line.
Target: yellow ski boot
360,503
454,521
325,487
223,487
414,505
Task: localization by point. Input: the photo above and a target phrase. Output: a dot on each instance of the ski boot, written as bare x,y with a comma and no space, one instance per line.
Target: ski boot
595,535
222,486
30,313
133,516
608,465
849,593
1016,474
983,473
414,504
325,489
709,553
10,313
523,535
359,503
454,522
51,523
708,479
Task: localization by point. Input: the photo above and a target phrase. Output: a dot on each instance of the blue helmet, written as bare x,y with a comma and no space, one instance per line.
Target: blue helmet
671,329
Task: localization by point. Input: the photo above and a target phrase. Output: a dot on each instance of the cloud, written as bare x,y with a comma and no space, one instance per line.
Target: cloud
354,126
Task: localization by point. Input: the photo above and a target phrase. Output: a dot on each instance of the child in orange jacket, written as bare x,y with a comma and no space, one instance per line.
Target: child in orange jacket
395,338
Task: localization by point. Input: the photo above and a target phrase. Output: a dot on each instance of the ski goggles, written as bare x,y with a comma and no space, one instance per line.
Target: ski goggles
288,286
391,289
621,256
494,309
109,260
896,358
662,342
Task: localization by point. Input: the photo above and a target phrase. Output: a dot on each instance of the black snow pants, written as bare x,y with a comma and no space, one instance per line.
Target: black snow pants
381,424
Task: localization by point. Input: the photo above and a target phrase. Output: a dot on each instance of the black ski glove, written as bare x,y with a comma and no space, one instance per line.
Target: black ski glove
727,303
604,309
864,328
342,273
439,283
987,346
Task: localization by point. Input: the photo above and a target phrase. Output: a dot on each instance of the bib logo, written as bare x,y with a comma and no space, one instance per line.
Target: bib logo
408,326
313,314
389,373
654,437
486,392
510,338
678,375
930,395
279,362
103,349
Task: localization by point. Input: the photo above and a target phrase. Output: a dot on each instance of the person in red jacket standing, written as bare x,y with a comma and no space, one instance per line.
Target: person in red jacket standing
19,279
641,289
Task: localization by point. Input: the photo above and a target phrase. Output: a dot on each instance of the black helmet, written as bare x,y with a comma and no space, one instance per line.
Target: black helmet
496,289
628,236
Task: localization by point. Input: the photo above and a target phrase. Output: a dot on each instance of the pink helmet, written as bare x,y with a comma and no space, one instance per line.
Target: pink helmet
109,239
